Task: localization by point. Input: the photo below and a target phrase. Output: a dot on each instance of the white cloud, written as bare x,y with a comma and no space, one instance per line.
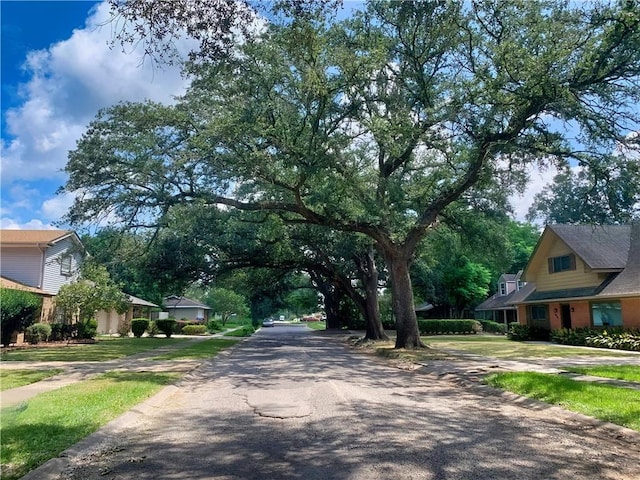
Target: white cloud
56,207
538,179
7,223
69,82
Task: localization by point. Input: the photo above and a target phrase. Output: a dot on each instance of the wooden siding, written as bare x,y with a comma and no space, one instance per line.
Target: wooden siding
582,276
53,279
23,264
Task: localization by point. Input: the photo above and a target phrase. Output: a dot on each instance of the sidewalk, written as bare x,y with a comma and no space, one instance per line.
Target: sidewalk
79,371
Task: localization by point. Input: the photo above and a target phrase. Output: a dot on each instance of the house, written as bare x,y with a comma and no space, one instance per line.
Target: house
499,307
108,322
583,276
42,260
185,308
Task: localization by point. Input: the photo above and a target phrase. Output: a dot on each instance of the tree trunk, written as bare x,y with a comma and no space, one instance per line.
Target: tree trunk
375,330
332,311
407,333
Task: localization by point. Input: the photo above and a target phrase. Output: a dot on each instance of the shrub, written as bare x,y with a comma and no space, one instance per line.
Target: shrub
492,327
38,332
214,326
166,326
124,327
194,329
526,332
19,310
139,326
245,331
63,331
619,341
88,328
153,329
447,326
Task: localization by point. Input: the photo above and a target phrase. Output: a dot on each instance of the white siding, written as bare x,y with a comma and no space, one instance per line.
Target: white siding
53,279
22,264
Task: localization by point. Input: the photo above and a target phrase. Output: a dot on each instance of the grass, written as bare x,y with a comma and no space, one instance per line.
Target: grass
200,350
17,378
611,404
630,373
500,347
245,331
316,325
106,348
41,428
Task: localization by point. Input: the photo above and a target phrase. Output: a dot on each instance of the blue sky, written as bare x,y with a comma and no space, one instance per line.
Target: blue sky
57,72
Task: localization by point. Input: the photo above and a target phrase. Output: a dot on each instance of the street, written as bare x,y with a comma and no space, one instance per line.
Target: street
289,403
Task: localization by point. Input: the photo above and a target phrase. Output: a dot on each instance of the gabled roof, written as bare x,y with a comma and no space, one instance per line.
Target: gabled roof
174,301
599,246
33,237
140,301
6,282
628,281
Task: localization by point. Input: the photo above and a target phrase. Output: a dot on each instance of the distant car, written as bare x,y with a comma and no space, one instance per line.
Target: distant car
268,322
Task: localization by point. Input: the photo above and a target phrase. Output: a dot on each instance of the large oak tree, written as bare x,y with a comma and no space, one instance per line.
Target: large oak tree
375,124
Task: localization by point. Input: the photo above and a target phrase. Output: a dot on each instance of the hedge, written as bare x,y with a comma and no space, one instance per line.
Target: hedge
444,327
166,326
194,329
492,327
611,337
139,326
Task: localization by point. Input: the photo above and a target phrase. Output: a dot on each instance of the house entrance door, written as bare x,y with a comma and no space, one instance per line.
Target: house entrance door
565,311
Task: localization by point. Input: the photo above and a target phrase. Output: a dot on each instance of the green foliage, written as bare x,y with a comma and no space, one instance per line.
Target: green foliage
444,327
466,283
38,332
139,326
124,327
88,328
618,341
244,331
214,326
153,329
492,327
94,291
166,326
225,302
194,329
63,331
19,310
522,333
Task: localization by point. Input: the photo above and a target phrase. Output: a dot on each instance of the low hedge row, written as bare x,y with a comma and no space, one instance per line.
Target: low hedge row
610,337
444,327
490,326
194,329
525,332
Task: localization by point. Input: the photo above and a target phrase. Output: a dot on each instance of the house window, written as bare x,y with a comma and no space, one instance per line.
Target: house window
606,314
562,263
538,313
503,289
65,265
520,285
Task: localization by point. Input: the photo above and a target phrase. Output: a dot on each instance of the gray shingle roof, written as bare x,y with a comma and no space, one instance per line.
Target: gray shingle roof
628,281
183,302
599,246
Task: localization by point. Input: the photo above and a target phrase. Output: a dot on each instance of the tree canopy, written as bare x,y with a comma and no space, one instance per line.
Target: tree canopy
375,124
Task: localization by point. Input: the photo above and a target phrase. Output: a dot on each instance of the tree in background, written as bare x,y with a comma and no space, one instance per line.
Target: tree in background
599,193
226,303
466,283
93,291
19,310
376,124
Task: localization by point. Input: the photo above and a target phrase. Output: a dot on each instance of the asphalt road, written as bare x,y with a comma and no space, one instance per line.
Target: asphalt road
292,404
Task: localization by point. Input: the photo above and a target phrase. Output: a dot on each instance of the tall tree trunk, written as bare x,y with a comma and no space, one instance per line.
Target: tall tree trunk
332,310
407,333
369,273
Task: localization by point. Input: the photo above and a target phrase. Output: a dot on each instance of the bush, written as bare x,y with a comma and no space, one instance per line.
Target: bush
618,341
166,326
88,328
19,310
214,326
245,331
62,331
139,326
492,327
153,329
194,330
446,326
38,332
522,333
124,327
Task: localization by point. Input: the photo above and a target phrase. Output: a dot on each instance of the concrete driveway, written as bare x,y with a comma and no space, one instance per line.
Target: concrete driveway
291,404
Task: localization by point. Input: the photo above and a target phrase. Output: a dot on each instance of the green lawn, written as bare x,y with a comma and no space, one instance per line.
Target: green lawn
245,331
501,347
630,373
41,428
611,404
204,349
17,378
106,348
316,325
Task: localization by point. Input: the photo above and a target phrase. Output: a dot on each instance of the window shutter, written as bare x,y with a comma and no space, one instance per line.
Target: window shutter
572,262
550,262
